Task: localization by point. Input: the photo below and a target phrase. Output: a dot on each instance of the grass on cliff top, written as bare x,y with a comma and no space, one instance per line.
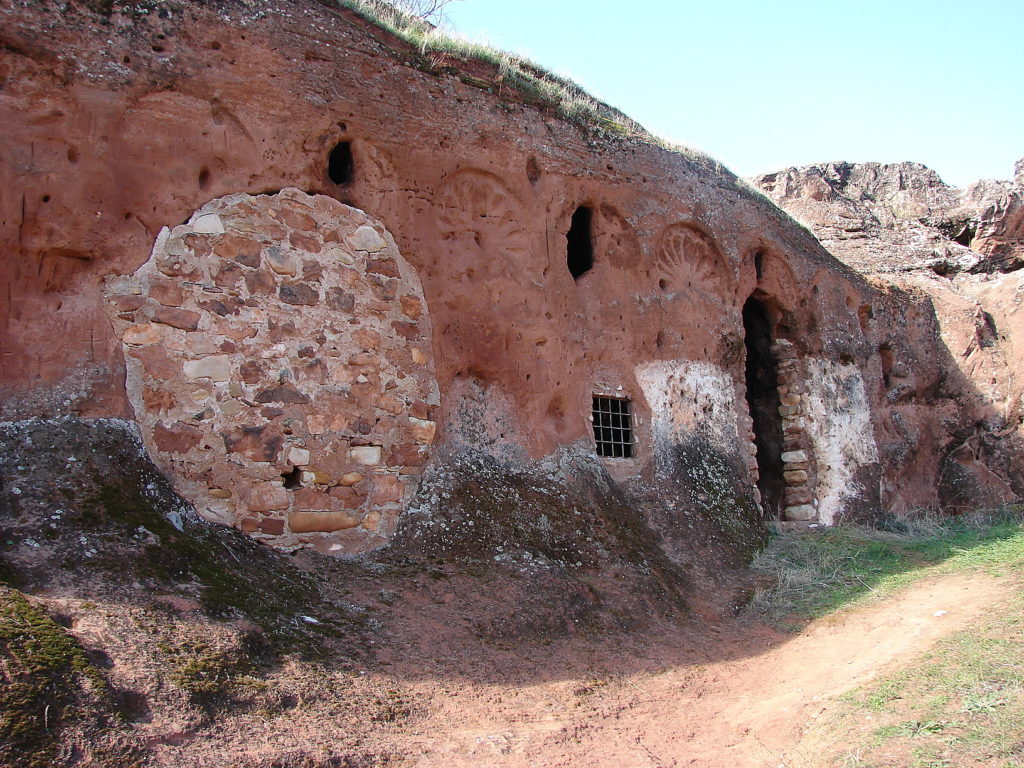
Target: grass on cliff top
570,100
807,575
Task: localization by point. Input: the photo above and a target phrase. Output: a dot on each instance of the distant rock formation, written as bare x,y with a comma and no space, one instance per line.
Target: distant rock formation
901,216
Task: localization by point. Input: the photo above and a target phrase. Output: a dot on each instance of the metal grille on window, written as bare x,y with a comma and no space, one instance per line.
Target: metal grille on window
613,427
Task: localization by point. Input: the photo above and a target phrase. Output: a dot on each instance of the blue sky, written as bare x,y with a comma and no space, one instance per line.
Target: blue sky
764,85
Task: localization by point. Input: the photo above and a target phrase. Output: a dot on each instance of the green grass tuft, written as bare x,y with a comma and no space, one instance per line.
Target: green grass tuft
44,678
805,576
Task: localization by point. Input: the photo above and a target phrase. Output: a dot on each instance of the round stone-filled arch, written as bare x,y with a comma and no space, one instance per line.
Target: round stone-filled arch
278,355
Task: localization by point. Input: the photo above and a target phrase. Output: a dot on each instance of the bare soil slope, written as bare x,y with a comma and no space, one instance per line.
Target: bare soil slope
124,641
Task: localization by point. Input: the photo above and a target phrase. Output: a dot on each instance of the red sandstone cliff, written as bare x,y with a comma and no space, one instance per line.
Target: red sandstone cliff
190,193
962,248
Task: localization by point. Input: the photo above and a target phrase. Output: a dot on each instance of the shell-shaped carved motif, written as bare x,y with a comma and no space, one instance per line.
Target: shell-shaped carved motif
685,257
477,206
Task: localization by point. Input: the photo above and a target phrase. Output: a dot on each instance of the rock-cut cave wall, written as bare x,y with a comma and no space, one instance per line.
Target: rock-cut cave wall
325,282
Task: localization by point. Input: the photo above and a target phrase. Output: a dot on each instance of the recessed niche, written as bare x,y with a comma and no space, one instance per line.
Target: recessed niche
292,480
580,251
340,165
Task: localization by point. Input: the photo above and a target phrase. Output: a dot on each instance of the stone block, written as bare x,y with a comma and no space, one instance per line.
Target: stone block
790,457
368,239
802,512
298,294
298,457
412,307
298,220
410,455
281,262
304,242
273,526
266,497
167,292
351,498
386,488
315,477
143,333
350,478
216,367
795,477
423,431
314,521
208,224
365,454
311,500
178,438
156,363
800,495
261,443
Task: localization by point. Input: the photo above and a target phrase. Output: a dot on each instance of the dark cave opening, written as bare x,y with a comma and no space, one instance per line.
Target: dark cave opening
340,165
580,255
762,378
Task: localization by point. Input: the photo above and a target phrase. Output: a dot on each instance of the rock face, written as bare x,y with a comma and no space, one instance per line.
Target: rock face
960,250
465,281
901,217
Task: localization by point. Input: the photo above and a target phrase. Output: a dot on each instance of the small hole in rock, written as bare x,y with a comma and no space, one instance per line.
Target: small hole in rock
580,251
46,198
293,479
215,45
204,178
340,166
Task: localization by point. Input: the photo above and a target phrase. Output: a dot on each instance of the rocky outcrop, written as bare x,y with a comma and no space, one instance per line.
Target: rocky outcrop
902,217
961,252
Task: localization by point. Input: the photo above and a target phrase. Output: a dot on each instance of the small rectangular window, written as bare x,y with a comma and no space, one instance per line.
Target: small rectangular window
613,427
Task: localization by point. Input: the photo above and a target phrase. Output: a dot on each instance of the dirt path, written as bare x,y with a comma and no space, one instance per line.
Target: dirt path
753,710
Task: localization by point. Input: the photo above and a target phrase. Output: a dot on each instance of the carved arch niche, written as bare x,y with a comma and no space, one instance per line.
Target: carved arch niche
686,259
480,223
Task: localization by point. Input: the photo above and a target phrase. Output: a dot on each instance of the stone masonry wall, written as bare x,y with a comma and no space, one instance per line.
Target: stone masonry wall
278,354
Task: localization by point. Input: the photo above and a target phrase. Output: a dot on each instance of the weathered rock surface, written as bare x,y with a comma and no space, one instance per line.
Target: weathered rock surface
961,252
900,217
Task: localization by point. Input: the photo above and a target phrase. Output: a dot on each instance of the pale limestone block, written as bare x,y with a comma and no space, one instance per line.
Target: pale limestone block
366,238
298,457
216,367
208,224
801,512
365,454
